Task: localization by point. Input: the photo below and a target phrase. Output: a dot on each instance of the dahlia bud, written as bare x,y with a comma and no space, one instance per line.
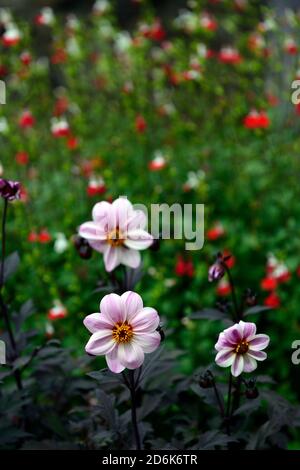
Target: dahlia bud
251,390
155,245
9,190
217,270
252,393
206,380
161,332
250,298
82,246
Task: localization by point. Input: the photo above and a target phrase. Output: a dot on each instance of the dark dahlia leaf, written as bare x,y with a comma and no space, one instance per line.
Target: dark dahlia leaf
279,440
108,289
107,409
11,435
265,379
11,264
258,439
212,439
105,376
207,394
248,407
256,309
53,422
208,314
150,403
21,362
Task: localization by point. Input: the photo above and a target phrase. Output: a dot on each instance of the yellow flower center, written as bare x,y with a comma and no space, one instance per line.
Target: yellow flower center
122,332
115,238
242,347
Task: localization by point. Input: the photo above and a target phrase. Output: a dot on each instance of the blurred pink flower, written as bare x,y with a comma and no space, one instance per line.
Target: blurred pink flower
123,331
240,347
117,231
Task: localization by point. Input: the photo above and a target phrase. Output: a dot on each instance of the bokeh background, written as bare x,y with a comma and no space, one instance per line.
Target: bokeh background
163,101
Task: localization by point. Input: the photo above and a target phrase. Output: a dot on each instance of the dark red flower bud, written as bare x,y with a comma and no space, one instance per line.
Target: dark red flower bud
251,389
9,190
206,380
250,298
161,332
82,246
252,393
155,245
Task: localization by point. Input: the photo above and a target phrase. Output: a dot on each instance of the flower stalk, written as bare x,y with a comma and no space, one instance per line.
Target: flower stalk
133,388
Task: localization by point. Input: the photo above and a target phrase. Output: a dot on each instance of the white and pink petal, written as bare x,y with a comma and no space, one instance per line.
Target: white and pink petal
259,342
145,320
95,322
133,303
257,355
250,363
112,308
100,343
130,355
225,357
237,365
149,342
113,362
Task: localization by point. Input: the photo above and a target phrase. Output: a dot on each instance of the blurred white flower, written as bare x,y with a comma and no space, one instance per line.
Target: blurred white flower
123,42
3,125
202,50
12,35
58,311
194,178
170,282
46,16
61,244
106,29
101,6
72,47
49,329
5,16
187,20
73,22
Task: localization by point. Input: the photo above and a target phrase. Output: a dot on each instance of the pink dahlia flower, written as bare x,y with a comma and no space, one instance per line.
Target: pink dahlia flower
123,331
117,231
240,347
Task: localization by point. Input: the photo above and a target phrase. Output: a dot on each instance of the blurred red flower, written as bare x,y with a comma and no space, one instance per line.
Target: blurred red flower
44,236
272,300
223,288
229,55
256,120
61,106
22,158
215,232
72,143
26,58
140,124
184,267
26,120
96,187
268,283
